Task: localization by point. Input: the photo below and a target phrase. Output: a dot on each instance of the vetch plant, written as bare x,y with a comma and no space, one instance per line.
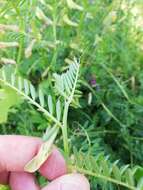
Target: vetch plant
37,42
65,85
67,93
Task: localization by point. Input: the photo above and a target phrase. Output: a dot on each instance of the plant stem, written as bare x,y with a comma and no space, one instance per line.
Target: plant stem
86,172
21,30
64,130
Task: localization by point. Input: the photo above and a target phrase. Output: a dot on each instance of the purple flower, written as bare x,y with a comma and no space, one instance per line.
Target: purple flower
93,82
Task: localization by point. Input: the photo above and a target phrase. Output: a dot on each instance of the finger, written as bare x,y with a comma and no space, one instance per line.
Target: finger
22,181
55,166
69,182
4,176
16,151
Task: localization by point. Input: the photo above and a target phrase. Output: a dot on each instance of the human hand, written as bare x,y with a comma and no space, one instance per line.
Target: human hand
17,151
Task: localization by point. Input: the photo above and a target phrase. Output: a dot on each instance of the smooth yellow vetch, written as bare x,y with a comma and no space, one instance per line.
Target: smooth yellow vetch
72,5
28,50
14,28
110,18
6,61
8,44
76,47
68,21
40,14
47,5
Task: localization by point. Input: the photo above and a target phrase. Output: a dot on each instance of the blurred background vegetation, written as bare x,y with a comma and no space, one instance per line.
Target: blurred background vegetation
40,37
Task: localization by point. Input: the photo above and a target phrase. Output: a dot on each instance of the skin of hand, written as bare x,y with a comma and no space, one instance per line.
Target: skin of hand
17,151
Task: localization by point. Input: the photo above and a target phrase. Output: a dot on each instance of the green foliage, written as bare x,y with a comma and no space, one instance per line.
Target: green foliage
26,90
107,172
65,84
8,99
105,111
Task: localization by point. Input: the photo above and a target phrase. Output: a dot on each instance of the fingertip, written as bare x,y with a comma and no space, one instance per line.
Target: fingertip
69,182
23,181
16,151
55,166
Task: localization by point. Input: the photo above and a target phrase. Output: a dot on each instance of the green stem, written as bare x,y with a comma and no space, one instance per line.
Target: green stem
86,172
21,30
64,129
54,35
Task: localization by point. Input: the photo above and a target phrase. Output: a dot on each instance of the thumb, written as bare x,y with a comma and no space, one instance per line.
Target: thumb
69,182
23,181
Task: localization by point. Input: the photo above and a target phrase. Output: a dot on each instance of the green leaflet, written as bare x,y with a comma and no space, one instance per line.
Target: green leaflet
44,152
72,5
8,98
69,22
66,83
